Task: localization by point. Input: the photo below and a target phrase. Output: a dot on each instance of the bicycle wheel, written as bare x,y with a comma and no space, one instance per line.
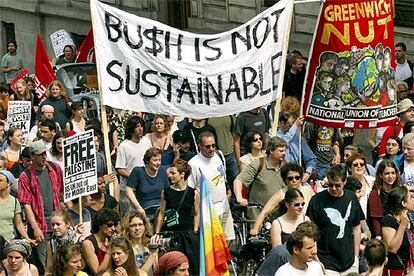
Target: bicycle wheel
248,268
235,247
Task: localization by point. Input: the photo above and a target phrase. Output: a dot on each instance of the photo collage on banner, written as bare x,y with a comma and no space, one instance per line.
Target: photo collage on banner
350,81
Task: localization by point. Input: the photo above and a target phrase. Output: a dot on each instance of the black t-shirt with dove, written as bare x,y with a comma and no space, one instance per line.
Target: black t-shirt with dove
335,217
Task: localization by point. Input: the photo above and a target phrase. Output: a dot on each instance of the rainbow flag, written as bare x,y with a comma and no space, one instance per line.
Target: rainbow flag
214,253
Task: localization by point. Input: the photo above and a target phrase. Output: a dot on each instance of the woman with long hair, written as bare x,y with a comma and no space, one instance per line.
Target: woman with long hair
68,261
160,136
56,151
137,228
17,252
253,144
394,228
14,141
122,259
393,151
24,93
57,98
63,235
77,121
387,178
179,212
291,214
356,166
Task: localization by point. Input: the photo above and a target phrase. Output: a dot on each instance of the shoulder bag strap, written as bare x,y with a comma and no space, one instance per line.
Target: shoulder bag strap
194,140
259,169
182,199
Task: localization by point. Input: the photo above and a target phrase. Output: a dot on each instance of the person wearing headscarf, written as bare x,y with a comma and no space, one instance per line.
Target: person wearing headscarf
172,263
17,252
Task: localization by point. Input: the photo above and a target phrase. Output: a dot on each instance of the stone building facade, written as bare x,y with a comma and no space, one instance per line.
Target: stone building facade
23,19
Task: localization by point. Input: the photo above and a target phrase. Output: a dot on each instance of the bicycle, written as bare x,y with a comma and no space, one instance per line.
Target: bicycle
248,254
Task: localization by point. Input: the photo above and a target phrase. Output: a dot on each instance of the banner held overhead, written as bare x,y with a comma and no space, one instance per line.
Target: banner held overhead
350,82
144,65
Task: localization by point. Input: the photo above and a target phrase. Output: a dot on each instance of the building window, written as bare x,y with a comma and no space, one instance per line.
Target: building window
9,33
269,3
404,10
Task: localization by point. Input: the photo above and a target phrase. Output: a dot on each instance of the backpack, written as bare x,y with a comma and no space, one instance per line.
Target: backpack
29,175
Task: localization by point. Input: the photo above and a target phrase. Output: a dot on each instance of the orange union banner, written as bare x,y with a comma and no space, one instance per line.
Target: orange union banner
350,81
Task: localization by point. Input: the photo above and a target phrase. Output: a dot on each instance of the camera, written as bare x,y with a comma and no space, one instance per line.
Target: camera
167,242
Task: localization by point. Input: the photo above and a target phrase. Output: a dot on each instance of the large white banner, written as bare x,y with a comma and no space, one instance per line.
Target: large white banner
144,65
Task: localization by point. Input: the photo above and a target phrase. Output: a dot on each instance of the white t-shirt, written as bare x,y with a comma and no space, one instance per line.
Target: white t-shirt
314,269
403,72
131,155
214,171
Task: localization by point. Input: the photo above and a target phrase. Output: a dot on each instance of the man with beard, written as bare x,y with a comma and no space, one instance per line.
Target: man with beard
11,63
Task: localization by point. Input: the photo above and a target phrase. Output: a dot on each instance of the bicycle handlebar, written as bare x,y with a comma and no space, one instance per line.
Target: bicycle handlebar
249,204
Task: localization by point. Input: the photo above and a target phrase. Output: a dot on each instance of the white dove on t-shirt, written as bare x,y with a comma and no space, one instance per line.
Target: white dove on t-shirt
336,218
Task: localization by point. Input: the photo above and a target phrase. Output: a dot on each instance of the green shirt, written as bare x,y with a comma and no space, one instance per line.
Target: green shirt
223,127
267,182
8,209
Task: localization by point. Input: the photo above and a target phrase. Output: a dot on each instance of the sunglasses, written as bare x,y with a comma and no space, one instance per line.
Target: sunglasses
257,139
358,164
213,146
299,204
337,186
112,224
296,177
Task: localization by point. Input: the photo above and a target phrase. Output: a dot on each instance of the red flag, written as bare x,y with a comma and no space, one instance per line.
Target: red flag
44,73
350,81
22,75
86,50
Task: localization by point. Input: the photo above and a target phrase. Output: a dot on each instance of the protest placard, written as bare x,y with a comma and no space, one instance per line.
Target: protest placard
350,81
79,163
18,115
20,76
145,65
59,40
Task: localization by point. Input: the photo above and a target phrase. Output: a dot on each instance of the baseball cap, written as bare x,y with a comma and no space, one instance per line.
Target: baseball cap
38,147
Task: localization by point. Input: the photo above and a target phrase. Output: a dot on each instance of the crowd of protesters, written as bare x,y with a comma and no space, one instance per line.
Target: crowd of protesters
336,209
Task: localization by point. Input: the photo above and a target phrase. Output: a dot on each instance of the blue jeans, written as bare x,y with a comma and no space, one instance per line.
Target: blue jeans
232,170
322,169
